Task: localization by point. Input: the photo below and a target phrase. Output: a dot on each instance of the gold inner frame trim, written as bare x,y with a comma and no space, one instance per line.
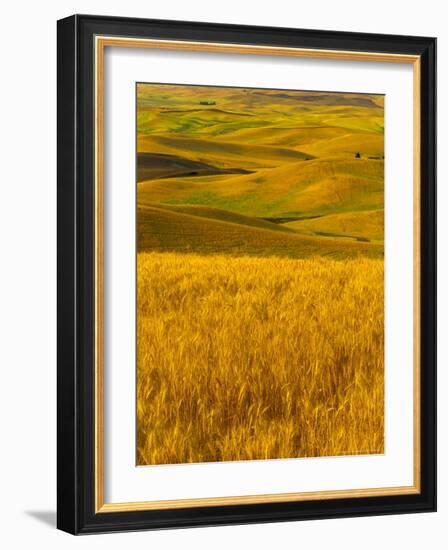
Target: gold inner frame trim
101,42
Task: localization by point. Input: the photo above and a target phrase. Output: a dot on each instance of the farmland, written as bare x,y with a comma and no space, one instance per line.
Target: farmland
265,154
260,239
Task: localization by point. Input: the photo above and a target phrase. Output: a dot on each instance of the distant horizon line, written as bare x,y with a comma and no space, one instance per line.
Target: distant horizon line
140,83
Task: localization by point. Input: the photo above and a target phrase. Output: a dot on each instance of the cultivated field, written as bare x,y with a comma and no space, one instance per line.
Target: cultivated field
260,235
255,358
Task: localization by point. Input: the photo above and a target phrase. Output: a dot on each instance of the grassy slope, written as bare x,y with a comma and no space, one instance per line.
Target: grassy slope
223,215
164,230
368,224
307,188
224,154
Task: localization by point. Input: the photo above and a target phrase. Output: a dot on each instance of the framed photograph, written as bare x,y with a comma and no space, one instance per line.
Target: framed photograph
246,274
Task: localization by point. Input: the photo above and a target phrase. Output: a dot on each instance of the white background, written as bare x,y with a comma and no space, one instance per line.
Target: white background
123,481
28,274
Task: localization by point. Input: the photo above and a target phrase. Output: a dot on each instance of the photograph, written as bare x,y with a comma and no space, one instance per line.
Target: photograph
260,273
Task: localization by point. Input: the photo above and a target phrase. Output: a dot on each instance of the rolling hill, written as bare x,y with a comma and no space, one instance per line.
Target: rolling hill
222,215
166,230
222,154
309,163
292,190
367,224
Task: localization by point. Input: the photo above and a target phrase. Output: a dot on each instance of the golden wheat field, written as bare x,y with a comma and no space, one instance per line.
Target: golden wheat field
254,358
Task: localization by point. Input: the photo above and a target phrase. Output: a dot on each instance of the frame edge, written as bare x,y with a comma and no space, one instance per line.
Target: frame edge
67,454
74,516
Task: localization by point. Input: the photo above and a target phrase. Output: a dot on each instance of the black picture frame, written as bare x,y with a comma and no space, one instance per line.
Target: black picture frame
76,255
